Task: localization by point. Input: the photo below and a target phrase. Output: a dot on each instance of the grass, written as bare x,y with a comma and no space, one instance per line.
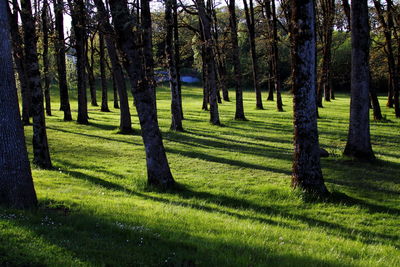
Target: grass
233,206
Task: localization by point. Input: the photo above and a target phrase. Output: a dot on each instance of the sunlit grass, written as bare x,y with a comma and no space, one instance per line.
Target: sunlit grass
233,205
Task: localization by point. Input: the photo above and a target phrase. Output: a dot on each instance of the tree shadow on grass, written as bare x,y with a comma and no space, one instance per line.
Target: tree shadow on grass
95,136
244,206
80,237
192,139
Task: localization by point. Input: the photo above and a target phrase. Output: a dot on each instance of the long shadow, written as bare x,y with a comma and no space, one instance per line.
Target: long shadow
231,145
237,163
94,136
99,240
244,205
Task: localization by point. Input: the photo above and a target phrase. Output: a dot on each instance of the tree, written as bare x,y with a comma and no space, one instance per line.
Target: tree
249,12
104,93
78,14
16,188
273,28
125,125
19,59
208,60
307,174
158,171
60,58
45,30
239,114
41,154
359,141
176,122
326,27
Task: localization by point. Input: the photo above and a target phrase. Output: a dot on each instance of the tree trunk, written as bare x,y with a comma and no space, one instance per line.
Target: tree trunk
387,25
158,171
220,67
60,56
41,154
359,143
16,190
78,15
275,83
89,67
104,93
177,53
45,30
176,122
19,59
117,72
115,92
209,61
239,114
307,174
252,40
328,15
375,105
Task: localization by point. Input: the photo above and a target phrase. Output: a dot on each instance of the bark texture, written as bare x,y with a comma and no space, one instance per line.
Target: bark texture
239,113
78,14
205,19
249,12
19,59
307,173
104,93
176,121
60,58
45,30
41,154
16,185
358,141
125,125
158,171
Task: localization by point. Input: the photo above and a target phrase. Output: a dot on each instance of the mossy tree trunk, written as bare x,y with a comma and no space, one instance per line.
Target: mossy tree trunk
41,154
16,188
307,174
359,140
158,171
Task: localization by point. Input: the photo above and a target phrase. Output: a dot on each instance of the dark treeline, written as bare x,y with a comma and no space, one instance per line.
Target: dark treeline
308,48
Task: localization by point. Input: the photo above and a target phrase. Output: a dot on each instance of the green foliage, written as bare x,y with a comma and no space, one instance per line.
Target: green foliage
233,205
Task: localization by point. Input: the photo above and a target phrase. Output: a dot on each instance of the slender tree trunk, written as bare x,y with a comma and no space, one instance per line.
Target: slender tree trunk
60,56
19,59
78,14
359,141
239,114
177,54
158,171
16,190
104,93
328,13
387,25
41,154
117,72
176,122
209,60
148,46
275,59
115,92
307,174
252,40
375,105
89,67
45,30
220,68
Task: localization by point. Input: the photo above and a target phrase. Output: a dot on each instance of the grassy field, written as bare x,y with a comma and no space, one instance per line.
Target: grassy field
233,205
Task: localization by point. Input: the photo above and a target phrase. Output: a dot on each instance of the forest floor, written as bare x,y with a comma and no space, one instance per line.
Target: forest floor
233,205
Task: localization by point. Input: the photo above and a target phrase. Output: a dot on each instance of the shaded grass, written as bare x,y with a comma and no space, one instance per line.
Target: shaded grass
233,205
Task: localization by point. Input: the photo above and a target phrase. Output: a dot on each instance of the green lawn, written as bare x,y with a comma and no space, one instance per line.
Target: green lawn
233,205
